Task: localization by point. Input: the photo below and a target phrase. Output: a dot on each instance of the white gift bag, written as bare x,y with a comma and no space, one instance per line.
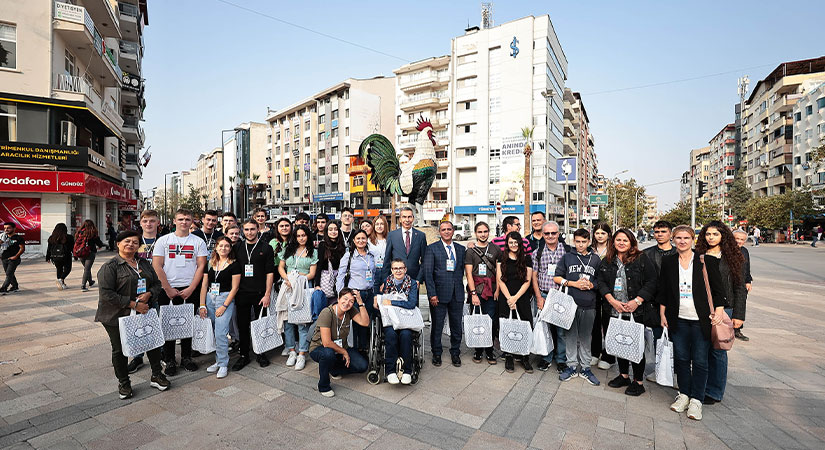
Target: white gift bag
465,311
302,313
664,360
203,338
405,319
625,339
140,333
264,333
542,343
478,329
177,321
559,309
515,335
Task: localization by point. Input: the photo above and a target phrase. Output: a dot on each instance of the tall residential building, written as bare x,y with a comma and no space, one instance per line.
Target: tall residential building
768,125
250,168
505,78
314,147
209,176
422,90
684,187
809,134
578,142
722,159
68,141
651,205
700,169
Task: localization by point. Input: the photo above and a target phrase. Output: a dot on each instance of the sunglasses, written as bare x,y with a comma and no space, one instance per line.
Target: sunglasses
551,233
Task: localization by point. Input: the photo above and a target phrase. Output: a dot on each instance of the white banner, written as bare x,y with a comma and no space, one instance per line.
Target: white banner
511,185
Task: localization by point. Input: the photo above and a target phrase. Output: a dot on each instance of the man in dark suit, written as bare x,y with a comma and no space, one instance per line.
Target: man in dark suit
406,243
443,274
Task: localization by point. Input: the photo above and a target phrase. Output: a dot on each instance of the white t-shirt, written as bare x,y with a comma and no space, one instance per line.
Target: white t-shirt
378,250
180,257
687,309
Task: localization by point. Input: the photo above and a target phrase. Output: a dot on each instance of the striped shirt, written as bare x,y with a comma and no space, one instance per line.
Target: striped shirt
501,241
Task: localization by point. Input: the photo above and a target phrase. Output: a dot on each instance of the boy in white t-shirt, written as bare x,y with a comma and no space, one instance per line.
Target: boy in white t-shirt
179,259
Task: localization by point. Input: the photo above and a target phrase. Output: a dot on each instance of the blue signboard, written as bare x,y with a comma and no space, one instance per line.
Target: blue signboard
490,209
566,166
328,197
335,123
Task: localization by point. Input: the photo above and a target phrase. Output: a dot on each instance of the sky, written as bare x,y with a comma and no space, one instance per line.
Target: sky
213,64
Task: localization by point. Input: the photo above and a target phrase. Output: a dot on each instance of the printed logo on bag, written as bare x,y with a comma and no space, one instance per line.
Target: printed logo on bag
407,312
200,334
176,321
267,332
479,330
145,330
624,339
559,308
515,336
181,251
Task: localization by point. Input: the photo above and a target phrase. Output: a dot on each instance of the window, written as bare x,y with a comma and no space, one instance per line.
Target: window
335,114
334,187
322,118
320,136
8,45
306,125
495,153
268,138
797,117
335,151
334,169
346,131
346,95
470,105
820,103
322,154
346,113
69,64
286,162
286,177
306,142
809,110
322,171
277,136
297,131
334,132
441,176
538,196
8,121
440,196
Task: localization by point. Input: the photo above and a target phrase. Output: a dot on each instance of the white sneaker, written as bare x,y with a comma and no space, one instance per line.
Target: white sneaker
651,377
292,357
694,410
604,365
406,379
594,360
60,285
213,368
328,394
392,378
285,352
300,362
223,372
681,403
65,286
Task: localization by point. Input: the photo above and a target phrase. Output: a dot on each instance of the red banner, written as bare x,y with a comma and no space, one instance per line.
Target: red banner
41,181
25,212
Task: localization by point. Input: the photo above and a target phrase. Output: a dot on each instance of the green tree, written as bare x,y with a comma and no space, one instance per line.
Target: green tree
626,192
192,201
680,213
775,211
739,195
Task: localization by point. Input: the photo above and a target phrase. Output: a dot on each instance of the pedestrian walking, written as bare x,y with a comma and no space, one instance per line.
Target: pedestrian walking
218,291
513,274
13,245
757,233
111,234
86,243
741,237
59,253
817,235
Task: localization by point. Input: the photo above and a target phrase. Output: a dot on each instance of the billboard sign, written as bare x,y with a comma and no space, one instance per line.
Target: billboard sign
511,181
566,170
25,212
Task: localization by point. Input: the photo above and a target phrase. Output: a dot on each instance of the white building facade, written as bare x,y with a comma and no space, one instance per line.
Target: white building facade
809,134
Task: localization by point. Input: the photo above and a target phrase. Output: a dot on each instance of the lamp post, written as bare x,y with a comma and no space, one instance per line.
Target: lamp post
548,97
616,199
567,169
165,197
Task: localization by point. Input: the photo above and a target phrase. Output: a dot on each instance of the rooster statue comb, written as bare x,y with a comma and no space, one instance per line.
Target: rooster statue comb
412,179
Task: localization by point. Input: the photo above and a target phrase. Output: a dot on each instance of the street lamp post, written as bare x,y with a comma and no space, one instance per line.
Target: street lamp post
567,168
616,199
165,197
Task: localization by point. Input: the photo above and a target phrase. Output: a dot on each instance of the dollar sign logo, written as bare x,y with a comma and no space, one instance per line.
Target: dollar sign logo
514,48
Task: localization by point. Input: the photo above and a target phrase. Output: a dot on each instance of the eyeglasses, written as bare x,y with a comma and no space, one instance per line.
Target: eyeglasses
398,268
551,233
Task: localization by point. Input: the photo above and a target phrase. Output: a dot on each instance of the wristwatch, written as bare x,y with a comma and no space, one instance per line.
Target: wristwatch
638,303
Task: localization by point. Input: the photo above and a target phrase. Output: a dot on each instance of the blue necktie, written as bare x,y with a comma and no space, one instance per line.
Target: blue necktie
450,252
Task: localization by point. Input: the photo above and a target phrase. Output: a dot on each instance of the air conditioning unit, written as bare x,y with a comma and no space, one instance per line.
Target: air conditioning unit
68,133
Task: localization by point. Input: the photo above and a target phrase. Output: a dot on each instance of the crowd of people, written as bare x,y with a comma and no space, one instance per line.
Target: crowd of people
231,270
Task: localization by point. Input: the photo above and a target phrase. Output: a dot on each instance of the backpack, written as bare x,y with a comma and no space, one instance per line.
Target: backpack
58,251
81,246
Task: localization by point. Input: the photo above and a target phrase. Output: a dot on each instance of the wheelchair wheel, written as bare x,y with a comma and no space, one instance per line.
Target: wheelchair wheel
373,377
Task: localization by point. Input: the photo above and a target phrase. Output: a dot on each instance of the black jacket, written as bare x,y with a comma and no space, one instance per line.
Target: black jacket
118,287
668,293
735,293
641,282
747,266
656,254
67,250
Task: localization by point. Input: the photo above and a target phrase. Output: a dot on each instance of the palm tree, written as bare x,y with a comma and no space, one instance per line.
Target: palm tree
527,134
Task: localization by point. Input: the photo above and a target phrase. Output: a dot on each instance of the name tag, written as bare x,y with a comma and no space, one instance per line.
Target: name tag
379,263
215,288
685,291
617,286
339,342
482,270
368,275
551,269
180,260
141,286
248,271
450,265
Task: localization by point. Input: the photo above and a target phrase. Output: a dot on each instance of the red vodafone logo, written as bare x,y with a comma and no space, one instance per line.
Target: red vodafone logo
41,181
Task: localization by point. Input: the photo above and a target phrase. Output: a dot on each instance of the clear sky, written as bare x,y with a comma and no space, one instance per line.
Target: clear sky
210,65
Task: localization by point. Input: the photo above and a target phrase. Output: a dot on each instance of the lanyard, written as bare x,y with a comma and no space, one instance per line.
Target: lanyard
135,269
363,258
249,253
347,235
149,247
340,323
218,270
185,241
582,262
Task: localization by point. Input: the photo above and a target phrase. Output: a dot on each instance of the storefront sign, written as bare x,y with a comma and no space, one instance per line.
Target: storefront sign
131,82
97,161
434,213
102,188
507,209
25,212
328,197
25,153
41,181
69,12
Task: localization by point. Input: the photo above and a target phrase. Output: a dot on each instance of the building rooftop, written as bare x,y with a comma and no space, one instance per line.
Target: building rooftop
790,68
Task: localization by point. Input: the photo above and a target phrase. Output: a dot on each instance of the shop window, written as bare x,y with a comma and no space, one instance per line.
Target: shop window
8,121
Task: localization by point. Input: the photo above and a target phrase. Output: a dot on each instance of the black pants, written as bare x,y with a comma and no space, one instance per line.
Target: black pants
638,368
63,267
10,266
247,305
119,360
185,344
596,343
87,269
605,321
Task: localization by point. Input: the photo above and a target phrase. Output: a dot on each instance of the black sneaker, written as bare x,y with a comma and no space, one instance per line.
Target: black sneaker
125,390
188,364
135,364
159,382
263,361
456,360
491,357
196,353
171,368
240,363
561,367
3,290
526,363
233,347
91,283
738,334
619,381
635,389
509,366
710,400
477,356
14,289
544,366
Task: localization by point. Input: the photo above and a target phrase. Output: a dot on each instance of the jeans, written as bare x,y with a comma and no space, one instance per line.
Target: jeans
289,337
119,360
559,353
9,266
185,344
362,334
577,338
755,241
717,370
331,362
63,267
438,314
392,339
87,269
246,306
690,358
221,325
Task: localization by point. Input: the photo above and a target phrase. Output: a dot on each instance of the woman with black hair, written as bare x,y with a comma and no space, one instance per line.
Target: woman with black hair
59,252
330,251
627,281
601,242
299,257
718,244
356,271
283,230
513,274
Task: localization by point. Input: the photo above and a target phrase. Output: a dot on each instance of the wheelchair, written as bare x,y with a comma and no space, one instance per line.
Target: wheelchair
376,364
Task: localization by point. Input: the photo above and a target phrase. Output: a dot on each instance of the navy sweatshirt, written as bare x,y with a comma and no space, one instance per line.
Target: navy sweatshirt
571,267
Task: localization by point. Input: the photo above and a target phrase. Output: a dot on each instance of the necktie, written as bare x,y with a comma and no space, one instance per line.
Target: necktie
450,252
407,240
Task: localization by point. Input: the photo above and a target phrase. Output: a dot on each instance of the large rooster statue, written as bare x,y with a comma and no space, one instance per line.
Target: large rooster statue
410,178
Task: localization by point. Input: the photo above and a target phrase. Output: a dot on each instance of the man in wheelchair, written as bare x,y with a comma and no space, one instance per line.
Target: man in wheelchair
398,290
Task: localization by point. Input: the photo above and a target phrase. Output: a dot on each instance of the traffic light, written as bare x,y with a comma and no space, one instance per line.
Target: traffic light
701,188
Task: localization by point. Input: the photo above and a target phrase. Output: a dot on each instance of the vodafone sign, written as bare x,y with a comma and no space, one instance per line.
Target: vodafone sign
41,181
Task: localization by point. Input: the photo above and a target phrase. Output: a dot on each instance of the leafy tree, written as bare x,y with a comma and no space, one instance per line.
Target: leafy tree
626,192
192,201
775,211
739,195
680,213
167,204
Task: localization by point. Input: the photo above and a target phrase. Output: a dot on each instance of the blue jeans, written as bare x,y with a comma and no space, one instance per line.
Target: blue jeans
331,362
289,336
362,334
559,354
221,325
438,314
690,358
717,370
392,339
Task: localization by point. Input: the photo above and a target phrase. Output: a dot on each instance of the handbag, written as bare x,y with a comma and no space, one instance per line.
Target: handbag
177,321
664,360
559,308
515,335
405,319
264,331
721,334
327,283
139,333
542,343
302,313
478,329
446,331
203,338
625,339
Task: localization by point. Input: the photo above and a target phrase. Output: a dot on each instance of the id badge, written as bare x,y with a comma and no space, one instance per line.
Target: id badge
339,342
450,265
369,275
141,286
685,291
482,270
617,286
551,269
215,289
379,263
248,271
180,261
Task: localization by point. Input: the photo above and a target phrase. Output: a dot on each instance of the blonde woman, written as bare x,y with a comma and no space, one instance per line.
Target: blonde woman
218,299
377,243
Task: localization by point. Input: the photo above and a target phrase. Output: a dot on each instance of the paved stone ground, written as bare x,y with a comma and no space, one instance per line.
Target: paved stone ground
58,389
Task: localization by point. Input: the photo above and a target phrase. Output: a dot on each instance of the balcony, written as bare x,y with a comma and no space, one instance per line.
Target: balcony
132,129
132,163
467,93
568,127
130,56
419,101
421,81
77,89
131,23
443,162
78,30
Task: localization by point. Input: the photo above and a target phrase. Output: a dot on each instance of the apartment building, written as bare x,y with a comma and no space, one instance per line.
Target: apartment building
208,178
313,149
69,85
578,141
651,211
722,160
505,78
768,128
700,170
422,90
808,135
248,179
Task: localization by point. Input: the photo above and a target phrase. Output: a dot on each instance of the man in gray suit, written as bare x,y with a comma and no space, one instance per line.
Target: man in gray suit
406,243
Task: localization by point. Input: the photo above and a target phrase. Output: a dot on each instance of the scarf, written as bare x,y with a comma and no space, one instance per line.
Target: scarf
390,286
